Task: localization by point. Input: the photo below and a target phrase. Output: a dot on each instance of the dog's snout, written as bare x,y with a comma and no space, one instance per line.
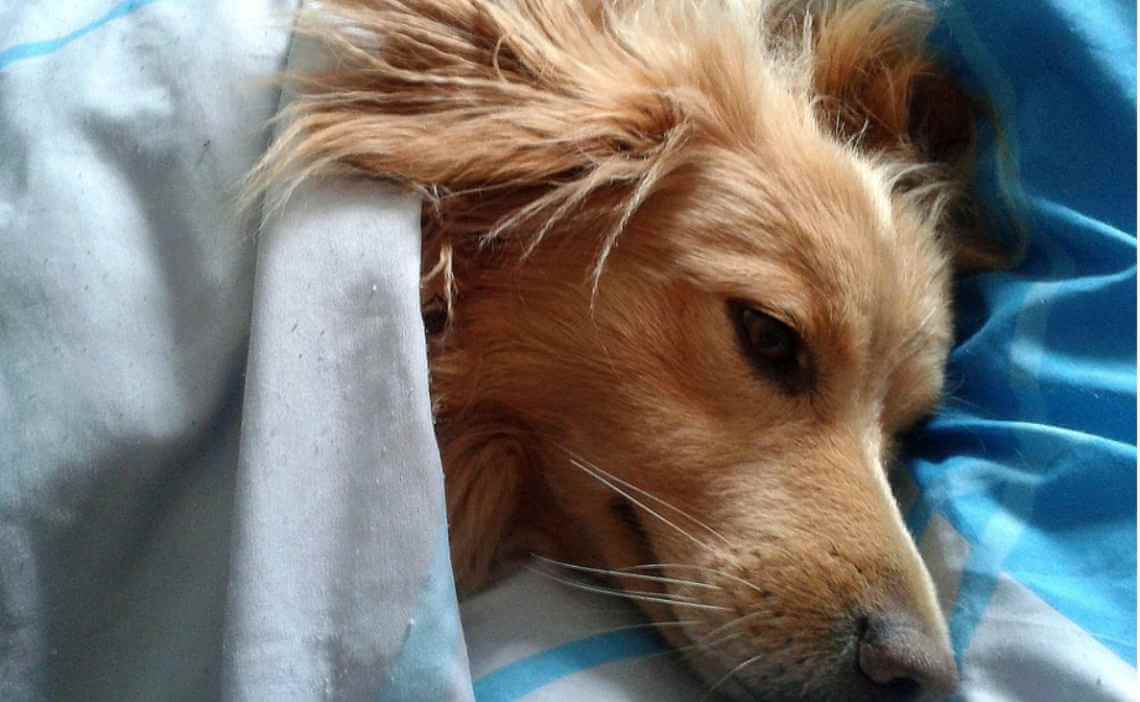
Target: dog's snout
904,662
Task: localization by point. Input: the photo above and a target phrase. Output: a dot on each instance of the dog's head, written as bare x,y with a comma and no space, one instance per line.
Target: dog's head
696,258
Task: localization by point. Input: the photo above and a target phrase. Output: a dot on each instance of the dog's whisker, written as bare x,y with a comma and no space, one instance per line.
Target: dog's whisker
733,623
695,646
624,574
597,476
714,571
649,495
655,593
704,642
609,480
646,625
650,593
673,651
613,592
729,675
709,645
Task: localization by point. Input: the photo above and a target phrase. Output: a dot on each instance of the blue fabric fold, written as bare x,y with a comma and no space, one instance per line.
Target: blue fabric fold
1035,461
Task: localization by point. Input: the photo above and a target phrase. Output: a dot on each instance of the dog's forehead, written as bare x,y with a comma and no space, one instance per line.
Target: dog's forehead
828,219
812,230
879,272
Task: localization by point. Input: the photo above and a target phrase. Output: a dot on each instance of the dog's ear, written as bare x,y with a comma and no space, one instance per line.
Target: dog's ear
486,462
879,88
506,115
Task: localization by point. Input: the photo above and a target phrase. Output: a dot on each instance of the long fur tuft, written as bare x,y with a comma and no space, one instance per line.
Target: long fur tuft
569,115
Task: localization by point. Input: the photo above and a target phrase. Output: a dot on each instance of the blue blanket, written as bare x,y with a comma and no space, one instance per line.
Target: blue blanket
1033,460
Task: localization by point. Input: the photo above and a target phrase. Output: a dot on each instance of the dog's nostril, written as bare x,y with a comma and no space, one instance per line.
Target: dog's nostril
903,661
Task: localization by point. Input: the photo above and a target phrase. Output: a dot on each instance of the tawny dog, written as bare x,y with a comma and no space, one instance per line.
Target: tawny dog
689,261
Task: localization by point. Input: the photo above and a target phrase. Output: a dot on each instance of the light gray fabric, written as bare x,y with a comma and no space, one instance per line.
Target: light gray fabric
124,307
127,290
339,497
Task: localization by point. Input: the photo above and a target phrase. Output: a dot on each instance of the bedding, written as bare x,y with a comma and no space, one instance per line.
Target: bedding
218,477
217,473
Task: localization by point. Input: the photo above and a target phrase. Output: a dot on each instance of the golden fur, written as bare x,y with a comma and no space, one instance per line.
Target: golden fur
599,180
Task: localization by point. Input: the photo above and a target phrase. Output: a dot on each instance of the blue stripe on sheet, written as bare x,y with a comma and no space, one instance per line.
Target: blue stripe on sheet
35,49
521,678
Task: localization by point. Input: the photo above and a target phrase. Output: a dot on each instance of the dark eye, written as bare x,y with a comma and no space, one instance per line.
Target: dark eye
771,346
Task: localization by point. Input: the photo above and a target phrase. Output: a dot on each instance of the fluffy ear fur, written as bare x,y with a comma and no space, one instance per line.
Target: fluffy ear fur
879,88
487,465
552,106
547,105
873,75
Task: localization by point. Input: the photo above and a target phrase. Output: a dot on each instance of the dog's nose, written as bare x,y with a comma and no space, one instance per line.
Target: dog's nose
905,663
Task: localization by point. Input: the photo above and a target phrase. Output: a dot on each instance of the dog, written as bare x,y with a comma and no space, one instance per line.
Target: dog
687,280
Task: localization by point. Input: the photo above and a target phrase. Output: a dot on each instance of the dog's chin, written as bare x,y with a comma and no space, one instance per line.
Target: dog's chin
720,671
740,673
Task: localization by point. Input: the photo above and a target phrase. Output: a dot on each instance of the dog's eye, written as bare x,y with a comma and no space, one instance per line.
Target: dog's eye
772,346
